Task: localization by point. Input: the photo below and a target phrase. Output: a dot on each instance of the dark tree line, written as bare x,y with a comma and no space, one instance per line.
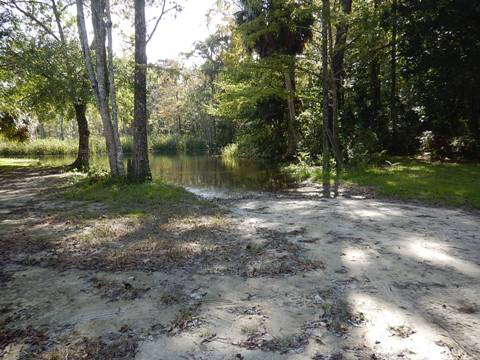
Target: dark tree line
398,77
336,82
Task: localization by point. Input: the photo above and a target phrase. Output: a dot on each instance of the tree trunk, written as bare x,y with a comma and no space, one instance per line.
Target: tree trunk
333,126
112,89
140,168
41,131
99,30
337,55
393,75
339,48
292,121
474,125
375,84
62,129
375,91
99,80
82,32
83,157
82,161
325,91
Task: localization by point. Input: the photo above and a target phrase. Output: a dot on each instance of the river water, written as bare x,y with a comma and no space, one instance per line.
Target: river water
204,172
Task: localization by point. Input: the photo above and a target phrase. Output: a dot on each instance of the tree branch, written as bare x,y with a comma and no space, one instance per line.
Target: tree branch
37,21
163,12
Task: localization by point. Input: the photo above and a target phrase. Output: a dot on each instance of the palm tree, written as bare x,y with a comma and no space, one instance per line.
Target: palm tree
278,28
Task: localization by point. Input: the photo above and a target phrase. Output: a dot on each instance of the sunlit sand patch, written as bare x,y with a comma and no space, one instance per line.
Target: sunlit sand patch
383,318
358,208
370,213
298,207
355,256
437,254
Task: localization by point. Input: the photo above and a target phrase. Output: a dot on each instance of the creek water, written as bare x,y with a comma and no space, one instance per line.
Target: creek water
204,172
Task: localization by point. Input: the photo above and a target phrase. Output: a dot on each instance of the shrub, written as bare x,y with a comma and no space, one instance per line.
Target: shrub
230,152
169,144
38,147
165,144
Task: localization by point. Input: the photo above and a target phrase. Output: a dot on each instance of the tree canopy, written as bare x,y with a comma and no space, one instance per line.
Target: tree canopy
399,77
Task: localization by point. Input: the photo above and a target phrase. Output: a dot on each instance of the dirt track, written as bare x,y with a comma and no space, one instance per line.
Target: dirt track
275,276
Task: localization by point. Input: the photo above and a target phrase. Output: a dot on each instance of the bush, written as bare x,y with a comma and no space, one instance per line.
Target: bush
427,144
38,147
164,144
193,145
252,145
457,148
363,150
168,144
230,152
464,147
51,146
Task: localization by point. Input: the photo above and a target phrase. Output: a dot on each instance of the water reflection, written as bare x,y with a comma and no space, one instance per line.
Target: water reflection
207,172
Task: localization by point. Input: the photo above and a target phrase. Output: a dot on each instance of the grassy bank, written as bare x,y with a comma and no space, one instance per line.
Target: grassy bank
12,163
178,144
129,198
51,146
436,183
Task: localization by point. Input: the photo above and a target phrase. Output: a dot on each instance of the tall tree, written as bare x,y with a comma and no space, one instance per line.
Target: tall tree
279,28
326,98
211,50
393,77
140,168
99,78
337,70
375,84
49,19
440,52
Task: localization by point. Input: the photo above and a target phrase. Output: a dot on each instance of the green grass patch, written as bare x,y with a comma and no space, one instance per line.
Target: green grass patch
52,146
446,184
302,171
230,152
12,163
436,183
165,144
170,144
133,199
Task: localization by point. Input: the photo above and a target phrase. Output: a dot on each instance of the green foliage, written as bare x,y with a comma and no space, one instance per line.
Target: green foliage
254,144
193,145
254,94
253,97
40,75
13,128
38,147
275,26
168,144
231,152
442,63
237,94
164,144
52,146
301,171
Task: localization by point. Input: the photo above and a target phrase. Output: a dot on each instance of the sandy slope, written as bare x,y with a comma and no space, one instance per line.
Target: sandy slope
368,279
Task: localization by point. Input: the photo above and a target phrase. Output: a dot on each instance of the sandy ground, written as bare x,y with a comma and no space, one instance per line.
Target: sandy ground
274,276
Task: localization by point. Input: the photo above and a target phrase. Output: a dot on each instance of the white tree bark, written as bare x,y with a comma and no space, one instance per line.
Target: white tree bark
113,91
98,80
